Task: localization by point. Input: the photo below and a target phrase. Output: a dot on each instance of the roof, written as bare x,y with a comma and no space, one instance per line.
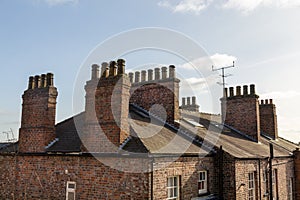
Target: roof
147,135
8,147
197,133
67,136
236,143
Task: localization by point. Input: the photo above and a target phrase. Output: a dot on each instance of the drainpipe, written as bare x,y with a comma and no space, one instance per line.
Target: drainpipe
221,173
151,174
270,171
259,179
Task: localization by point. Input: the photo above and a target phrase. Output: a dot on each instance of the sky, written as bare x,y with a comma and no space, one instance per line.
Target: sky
261,36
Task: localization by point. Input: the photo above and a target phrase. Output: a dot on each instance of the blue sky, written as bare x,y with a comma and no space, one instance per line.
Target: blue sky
39,36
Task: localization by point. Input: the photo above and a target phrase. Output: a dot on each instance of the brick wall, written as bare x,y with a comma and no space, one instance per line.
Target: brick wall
7,176
38,114
228,180
161,90
187,168
107,106
297,174
45,177
268,118
284,169
241,111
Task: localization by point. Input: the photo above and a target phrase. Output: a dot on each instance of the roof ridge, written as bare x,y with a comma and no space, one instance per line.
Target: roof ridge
70,118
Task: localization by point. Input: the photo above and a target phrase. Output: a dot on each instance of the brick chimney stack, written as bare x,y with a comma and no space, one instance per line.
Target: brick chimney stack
38,114
268,118
162,89
241,111
107,107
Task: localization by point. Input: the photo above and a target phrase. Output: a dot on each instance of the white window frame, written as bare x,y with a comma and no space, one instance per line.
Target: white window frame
172,186
70,190
251,186
202,178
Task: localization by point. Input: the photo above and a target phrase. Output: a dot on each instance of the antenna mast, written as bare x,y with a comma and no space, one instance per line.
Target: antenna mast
223,75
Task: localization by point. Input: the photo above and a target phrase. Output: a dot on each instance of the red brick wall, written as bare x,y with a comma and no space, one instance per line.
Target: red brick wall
163,92
188,169
242,113
38,119
297,174
229,173
107,106
268,119
45,177
284,169
7,176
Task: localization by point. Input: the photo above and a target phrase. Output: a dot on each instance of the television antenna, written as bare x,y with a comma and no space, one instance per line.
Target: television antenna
223,75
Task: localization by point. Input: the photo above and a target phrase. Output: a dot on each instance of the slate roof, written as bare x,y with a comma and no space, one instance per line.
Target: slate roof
8,147
149,135
145,137
236,143
67,135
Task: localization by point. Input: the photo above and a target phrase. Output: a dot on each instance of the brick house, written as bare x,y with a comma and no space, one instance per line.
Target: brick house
133,141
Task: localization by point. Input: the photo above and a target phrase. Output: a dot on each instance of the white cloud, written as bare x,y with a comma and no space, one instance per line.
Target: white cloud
221,60
186,6
59,2
218,60
246,6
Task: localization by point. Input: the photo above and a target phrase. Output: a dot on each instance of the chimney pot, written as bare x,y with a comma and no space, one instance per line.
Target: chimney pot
112,68
245,90
137,77
130,74
104,67
43,81
225,92
183,101
271,101
30,83
267,102
144,75
95,71
121,66
37,81
188,101
261,102
164,72
50,79
171,71
150,74
252,89
193,100
156,74
231,93
238,91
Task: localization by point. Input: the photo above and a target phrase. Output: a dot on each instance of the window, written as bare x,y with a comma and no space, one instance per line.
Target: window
251,186
291,189
202,182
173,188
70,192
